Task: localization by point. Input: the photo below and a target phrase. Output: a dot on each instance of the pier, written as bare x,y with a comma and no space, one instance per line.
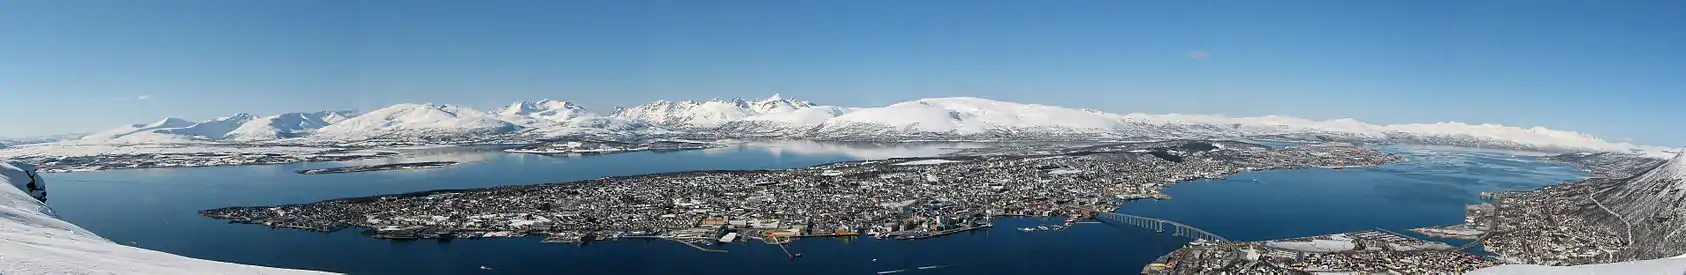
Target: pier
1158,225
699,248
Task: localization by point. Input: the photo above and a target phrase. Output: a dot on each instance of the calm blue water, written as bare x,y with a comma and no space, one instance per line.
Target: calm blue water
157,209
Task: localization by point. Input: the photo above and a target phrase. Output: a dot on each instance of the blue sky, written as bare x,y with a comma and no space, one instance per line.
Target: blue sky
1610,69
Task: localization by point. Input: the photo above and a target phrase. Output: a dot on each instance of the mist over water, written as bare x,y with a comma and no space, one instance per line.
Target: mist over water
157,209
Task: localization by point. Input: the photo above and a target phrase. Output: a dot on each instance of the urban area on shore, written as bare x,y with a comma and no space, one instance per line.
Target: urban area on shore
907,198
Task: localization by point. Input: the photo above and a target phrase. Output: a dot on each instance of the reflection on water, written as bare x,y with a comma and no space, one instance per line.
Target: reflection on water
156,209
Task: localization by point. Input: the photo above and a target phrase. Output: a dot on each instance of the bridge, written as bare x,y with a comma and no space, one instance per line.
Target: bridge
1158,225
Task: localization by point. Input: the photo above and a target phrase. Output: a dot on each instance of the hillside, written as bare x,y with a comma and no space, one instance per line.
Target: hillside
1652,205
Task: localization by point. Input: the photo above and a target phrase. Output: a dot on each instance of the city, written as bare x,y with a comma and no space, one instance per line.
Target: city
895,198
1365,252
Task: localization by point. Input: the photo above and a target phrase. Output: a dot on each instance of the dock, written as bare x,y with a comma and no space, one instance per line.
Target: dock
781,243
699,248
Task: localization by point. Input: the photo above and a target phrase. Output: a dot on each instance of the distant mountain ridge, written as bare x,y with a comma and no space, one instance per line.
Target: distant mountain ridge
238,127
779,117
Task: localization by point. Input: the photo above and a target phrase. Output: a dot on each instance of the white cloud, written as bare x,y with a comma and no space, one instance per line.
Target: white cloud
1198,54
139,97
143,97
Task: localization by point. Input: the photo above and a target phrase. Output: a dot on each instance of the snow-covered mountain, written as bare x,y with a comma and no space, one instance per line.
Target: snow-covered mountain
955,118
715,113
547,110
418,120
213,129
968,116
126,130
238,127
4,142
33,240
288,125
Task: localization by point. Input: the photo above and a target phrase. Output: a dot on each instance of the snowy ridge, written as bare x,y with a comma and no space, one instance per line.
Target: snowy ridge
238,127
967,115
288,125
778,117
418,120
35,241
5,142
108,135
715,113
211,129
548,110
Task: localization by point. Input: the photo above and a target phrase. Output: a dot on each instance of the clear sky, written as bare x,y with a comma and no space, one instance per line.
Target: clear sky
1612,69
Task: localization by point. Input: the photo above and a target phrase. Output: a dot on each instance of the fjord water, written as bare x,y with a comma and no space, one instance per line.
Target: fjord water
157,209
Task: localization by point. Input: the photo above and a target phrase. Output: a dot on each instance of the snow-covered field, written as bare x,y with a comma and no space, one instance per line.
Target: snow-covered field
35,241
1314,246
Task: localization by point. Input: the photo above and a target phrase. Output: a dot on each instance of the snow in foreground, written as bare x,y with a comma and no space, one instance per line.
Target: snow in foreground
35,241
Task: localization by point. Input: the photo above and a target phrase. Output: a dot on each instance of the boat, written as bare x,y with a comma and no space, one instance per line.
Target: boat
1026,229
1042,227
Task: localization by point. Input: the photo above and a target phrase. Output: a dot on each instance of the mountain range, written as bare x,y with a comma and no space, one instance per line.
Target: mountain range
778,117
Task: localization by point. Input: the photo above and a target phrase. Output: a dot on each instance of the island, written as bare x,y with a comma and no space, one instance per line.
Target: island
584,147
903,198
378,167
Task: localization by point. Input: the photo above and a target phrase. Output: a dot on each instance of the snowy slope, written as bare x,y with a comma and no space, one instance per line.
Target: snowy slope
714,113
809,116
548,110
288,125
418,120
167,123
40,139
238,127
967,115
210,129
1651,204
687,113
35,241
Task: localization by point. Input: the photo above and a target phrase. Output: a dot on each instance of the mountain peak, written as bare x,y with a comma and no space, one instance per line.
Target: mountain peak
168,122
538,106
